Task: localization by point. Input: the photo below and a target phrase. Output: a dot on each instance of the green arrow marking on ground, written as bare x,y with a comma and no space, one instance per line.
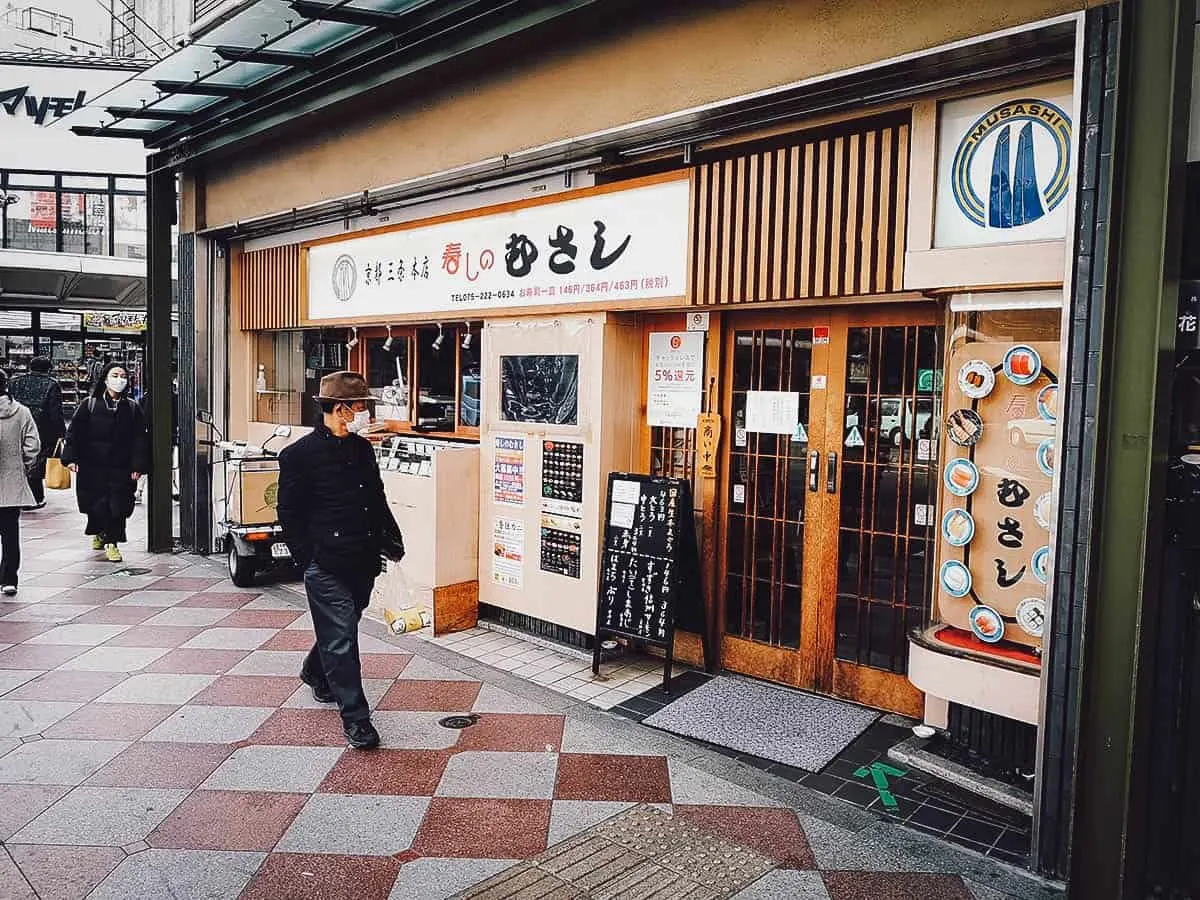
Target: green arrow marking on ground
879,773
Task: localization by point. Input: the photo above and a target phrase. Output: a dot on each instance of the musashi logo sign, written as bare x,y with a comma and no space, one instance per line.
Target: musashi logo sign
20,101
1028,144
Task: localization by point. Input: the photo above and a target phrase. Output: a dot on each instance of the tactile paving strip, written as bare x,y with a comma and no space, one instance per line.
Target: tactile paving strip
640,854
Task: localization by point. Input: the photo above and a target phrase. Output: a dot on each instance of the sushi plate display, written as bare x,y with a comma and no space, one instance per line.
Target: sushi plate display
987,624
1022,364
976,379
961,477
958,527
964,427
955,578
1047,402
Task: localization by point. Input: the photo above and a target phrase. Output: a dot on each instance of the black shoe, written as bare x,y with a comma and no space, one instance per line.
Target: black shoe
320,692
361,735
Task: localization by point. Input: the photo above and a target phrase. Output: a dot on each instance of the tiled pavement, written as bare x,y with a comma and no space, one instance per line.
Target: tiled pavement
154,742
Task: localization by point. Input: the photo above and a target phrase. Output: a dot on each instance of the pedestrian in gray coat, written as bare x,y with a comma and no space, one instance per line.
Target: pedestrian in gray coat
19,449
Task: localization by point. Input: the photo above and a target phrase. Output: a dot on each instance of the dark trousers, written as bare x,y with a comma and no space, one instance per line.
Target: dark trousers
37,480
111,529
10,545
337,603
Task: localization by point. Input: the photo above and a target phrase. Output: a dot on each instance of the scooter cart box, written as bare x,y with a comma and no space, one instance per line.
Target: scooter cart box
254,493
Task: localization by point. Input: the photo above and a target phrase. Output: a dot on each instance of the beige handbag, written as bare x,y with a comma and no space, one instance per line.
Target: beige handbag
58,476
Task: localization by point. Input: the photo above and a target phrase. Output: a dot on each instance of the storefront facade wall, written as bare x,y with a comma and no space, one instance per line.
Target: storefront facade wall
824,233
584,89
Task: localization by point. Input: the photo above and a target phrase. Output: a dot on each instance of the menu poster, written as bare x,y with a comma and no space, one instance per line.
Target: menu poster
561,545
1008,436
508,470
562,478
676,379
508,553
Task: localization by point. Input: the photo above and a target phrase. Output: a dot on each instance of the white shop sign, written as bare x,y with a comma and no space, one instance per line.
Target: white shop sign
1005,167
675,380
618,245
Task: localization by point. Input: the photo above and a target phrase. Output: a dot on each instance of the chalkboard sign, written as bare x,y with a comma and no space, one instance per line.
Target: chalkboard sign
650,570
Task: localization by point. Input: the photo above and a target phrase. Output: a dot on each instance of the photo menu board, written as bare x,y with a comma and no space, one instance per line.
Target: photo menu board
999,457
650,570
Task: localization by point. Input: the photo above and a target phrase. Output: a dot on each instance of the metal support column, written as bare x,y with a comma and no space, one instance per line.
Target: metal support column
160,190
1147,168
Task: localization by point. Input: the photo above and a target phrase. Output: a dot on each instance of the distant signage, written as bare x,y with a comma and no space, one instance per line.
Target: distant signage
38,106
626,244
1005,167
21,100
114,321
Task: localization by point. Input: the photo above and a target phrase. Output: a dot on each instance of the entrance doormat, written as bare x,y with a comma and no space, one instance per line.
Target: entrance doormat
778,723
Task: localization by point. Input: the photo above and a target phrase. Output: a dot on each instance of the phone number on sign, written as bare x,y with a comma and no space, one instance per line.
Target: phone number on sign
482,296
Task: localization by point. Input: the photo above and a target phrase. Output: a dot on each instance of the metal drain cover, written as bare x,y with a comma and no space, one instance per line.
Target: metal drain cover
132,571
458,721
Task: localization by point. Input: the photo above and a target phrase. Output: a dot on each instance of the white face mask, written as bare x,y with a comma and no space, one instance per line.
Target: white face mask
117,384
360,421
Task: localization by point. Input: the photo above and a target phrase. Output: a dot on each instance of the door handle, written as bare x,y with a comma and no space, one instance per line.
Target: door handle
831,474
814,469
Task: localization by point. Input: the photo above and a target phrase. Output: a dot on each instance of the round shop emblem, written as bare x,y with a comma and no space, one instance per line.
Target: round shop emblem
964,427
1031,616
1047,402
1043,510
1045,457
976,379
961,477
344,278
987,624
1022,364
1017,156
956,578
676,342
1041,564
958,527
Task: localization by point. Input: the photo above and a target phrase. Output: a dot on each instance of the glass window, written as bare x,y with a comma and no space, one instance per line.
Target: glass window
31,221
129,216
469,373
388,376
540,389
86,182
279,380
436,394
85,223
131,184
28,179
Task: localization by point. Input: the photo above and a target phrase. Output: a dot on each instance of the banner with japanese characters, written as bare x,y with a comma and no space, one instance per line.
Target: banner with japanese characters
676,379
611,246
1000,455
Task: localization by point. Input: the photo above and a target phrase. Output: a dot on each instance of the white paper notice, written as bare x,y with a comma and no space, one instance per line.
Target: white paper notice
622,515
626,492
739,493
675,379
508,553
772,412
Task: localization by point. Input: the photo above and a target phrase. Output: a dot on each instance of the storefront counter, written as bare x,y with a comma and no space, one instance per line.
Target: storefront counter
949,673
431,489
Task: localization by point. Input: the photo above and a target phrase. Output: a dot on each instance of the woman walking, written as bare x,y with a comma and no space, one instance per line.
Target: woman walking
107,445
19,449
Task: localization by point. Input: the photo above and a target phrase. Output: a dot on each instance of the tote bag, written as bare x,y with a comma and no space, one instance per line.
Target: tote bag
58,476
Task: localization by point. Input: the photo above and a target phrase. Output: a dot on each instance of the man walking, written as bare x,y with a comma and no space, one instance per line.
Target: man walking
338,526
41,393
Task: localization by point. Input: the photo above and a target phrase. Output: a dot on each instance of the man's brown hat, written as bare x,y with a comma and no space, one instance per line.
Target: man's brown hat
344,387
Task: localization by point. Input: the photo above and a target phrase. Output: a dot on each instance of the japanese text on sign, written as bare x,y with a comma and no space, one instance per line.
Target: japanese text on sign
621,245
675,380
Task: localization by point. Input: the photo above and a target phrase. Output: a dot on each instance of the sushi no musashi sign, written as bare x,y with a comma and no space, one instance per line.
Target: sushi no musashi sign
650,570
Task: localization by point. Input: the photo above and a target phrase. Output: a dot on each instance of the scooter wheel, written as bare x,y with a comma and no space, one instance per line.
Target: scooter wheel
241,568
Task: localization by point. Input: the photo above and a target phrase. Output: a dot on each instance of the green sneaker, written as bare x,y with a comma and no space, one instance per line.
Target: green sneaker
113,553
97,544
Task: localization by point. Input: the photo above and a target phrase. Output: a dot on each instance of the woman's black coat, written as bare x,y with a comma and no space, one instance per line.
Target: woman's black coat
108,446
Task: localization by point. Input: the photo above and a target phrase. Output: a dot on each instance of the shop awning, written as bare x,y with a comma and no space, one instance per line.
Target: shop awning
239,76
33,280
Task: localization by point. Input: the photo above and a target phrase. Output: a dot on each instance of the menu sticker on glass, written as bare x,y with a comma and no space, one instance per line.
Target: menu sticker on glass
508,553
772,412
508,470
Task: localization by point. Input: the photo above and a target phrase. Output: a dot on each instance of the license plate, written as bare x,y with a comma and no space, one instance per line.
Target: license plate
281,551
